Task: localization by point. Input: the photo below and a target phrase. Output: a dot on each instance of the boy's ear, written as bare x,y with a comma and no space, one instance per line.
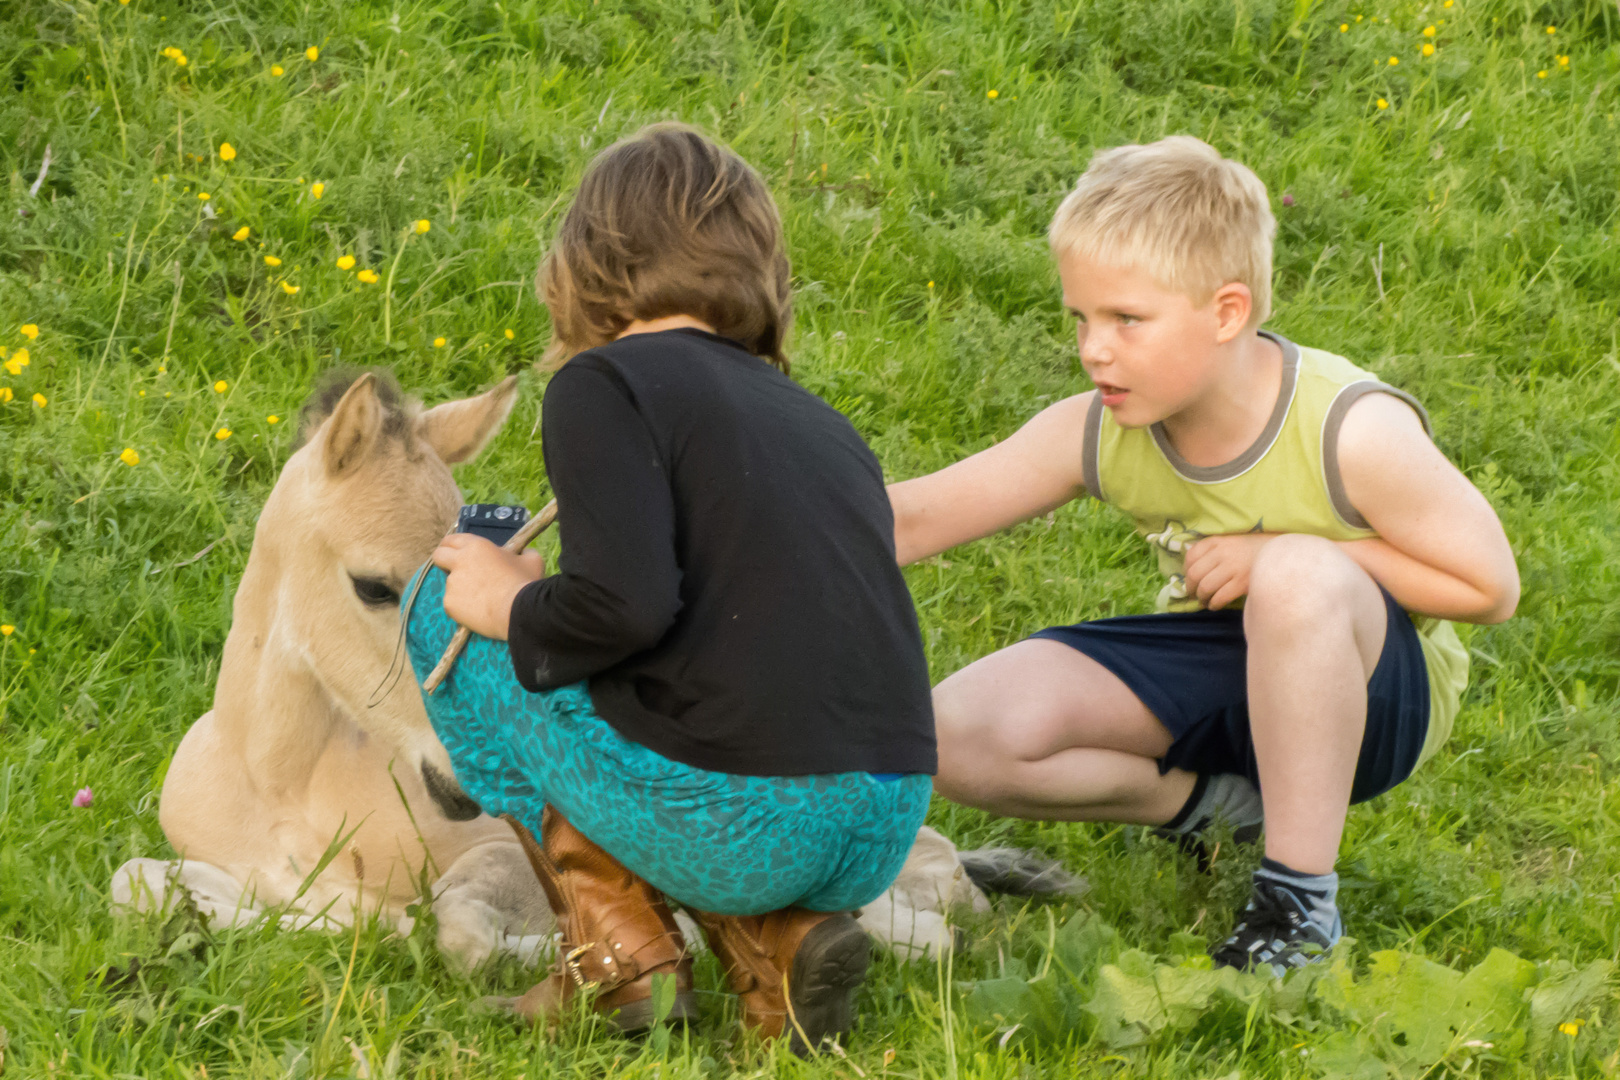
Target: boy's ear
1233,303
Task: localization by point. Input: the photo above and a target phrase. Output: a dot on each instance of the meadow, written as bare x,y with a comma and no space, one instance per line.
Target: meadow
207,203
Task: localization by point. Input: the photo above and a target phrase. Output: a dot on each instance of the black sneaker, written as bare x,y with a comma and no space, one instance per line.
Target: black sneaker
1276,932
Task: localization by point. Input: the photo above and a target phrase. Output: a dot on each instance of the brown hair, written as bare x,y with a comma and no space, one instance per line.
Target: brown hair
668,222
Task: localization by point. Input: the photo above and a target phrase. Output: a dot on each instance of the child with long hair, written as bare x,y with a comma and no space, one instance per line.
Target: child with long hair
728,702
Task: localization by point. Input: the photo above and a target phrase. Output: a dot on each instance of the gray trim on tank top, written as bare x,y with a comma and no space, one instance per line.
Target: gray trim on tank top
1333,421
1090,447
1231,470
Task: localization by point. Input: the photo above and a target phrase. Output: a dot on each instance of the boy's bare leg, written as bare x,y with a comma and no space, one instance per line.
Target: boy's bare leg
1040,730
1315,624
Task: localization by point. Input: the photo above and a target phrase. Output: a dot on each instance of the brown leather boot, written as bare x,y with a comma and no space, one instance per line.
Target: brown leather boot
617,932
796,971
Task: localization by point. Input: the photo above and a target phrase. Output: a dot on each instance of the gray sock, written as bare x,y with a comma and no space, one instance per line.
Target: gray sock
1225,796
1316,895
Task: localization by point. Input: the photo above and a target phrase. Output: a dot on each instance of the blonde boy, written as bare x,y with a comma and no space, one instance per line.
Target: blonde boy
1314,542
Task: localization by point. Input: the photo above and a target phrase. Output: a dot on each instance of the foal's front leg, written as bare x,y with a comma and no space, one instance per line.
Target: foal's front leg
488,902
157,885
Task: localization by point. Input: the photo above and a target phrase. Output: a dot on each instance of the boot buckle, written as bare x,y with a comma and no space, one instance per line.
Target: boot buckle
570,964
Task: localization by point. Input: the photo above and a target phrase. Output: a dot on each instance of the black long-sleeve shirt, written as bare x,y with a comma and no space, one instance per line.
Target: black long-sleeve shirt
727,579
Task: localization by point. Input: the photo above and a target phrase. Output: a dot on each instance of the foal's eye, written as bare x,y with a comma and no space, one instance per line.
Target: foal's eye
374,592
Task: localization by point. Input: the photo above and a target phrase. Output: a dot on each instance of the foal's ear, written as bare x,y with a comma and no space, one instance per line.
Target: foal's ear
353,428
458,430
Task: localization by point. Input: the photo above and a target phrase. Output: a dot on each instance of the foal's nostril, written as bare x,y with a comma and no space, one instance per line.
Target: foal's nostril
453,802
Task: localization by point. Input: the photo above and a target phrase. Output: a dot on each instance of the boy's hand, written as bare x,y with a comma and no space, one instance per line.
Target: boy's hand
1217,567
484,580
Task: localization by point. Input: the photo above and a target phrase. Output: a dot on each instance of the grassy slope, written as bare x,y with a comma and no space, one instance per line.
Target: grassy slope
1461,242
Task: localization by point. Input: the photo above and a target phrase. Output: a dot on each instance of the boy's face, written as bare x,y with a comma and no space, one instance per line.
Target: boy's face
1152,352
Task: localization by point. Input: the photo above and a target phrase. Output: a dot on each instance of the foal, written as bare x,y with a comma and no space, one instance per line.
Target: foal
307,742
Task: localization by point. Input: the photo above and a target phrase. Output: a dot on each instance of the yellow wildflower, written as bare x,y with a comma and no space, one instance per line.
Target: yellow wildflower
222,434
13,368
1542,74
1428,49
172,53
221,386
290,289
204,196
1394,60
29,331
1448,3
140,393
317,189
1344,27
227,152
240,234
1358,18
7,630
180,61
345,262
423,225
510,334
39,399
992,94
312,54
21,357
271,260
1572,1028
1382,104
368,276
1552,29
438,343
1563,61
1428,31
5,393
276,71
129,456
272,419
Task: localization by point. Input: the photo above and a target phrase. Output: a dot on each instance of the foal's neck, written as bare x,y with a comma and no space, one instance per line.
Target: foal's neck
269,703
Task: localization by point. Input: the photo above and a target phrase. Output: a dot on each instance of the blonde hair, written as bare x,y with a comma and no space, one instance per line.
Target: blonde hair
668,222
1179,212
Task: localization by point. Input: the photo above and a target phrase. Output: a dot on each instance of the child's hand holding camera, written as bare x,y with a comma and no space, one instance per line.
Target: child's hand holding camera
483,581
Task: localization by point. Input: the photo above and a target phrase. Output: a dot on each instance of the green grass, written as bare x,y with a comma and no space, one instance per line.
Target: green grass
1463,242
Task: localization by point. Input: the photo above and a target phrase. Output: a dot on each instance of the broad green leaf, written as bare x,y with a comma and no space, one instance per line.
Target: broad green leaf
1564,996
1133,1005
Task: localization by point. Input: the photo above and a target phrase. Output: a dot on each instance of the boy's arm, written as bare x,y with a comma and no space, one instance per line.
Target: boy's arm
1035,471
1440,548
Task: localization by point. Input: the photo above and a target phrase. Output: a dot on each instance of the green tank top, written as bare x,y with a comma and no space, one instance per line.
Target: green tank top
1287,481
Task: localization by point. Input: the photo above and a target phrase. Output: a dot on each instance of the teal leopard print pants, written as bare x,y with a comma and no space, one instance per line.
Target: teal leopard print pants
734,845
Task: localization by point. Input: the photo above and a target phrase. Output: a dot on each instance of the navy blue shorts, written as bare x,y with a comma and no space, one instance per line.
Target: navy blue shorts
1191,671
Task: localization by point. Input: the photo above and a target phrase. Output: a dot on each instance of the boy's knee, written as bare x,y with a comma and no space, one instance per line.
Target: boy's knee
1298,579
973,755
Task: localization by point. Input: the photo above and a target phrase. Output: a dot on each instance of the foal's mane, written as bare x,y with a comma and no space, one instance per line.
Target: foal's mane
335,382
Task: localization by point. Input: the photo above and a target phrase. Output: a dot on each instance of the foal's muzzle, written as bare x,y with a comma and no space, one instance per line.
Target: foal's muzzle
452,801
